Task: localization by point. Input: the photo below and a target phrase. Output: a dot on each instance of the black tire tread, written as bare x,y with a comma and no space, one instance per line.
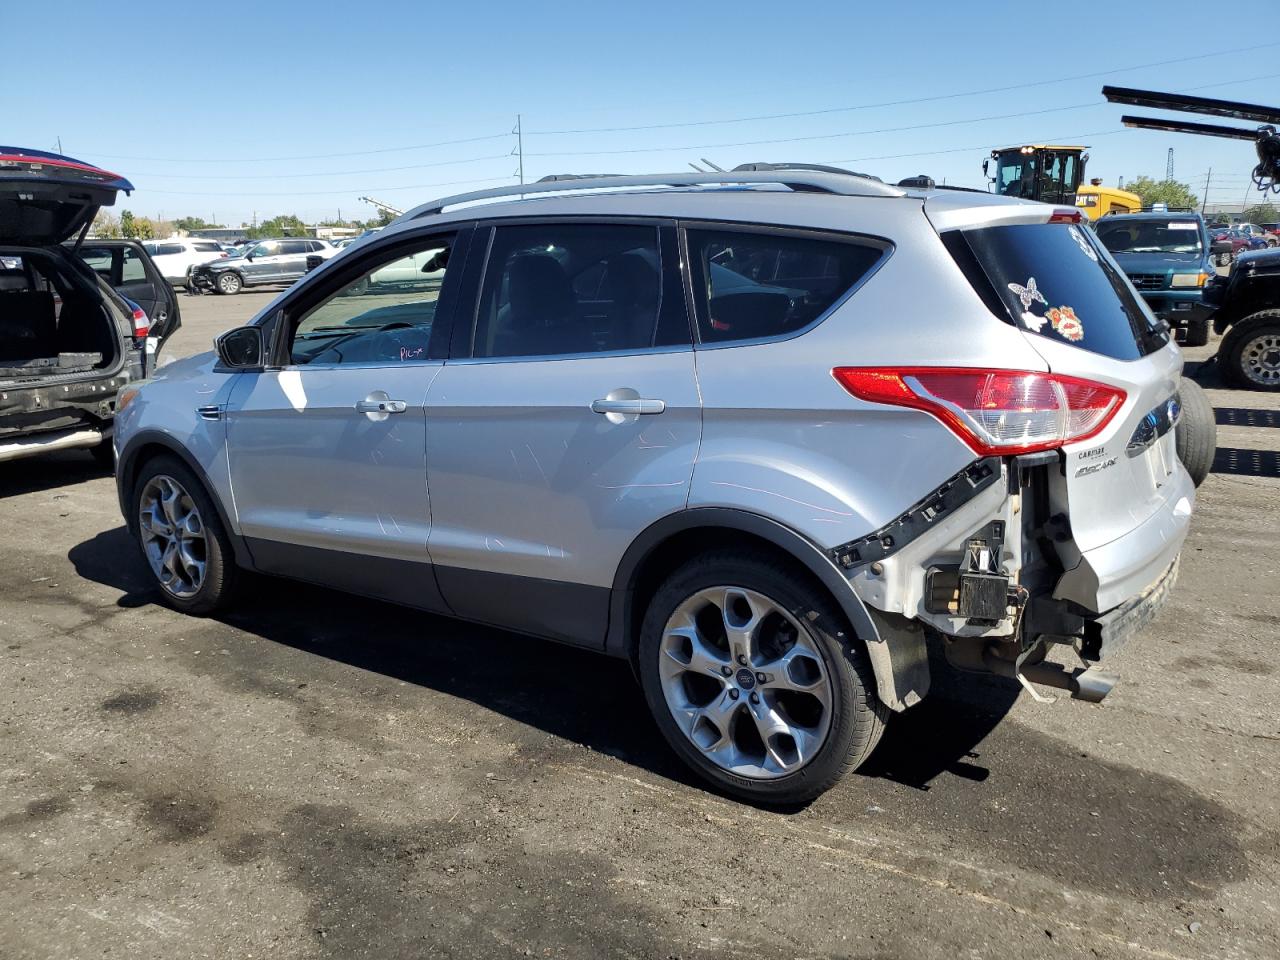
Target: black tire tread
860,732
1196,434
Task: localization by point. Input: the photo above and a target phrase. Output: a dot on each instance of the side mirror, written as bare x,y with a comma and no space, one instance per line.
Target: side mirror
249,257
241,348
986,168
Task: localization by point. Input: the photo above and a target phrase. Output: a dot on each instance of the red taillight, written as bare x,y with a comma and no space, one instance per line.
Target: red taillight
1066,215
995,412
141,325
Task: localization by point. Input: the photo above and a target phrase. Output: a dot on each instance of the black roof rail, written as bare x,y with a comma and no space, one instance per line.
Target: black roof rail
841,183
812,167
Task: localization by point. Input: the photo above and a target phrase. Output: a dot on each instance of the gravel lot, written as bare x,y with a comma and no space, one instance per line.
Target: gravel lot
321,776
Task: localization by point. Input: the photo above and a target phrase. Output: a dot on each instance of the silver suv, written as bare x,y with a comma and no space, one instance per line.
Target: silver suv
768,434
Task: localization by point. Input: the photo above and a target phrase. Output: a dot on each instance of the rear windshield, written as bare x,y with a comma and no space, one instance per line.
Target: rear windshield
1150,236
1051,279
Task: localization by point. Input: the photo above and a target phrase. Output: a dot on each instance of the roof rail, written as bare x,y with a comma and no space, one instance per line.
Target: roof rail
810,167
802,181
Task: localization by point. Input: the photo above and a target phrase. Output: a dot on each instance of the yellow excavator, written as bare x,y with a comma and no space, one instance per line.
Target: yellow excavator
1053,173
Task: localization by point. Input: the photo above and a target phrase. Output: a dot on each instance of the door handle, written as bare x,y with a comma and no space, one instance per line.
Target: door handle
632,407
381,406
377,406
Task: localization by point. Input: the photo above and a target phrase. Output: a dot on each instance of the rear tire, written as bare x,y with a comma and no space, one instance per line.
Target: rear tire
1196,434
181,537
750,736
229,283
1250,353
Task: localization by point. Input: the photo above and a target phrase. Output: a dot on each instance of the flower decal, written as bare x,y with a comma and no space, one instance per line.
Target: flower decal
1066,323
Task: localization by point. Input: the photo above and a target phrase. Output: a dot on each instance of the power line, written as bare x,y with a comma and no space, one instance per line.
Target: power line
323,193
825,136
310,156
899,103
330,173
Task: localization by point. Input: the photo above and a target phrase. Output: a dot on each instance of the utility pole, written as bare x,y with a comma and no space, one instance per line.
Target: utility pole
1205,199
1168,167
59,145
519,149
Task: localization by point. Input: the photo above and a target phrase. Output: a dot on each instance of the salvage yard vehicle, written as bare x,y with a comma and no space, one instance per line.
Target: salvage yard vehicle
73,326
177,256
265,262
1167,258
767,434
1247,313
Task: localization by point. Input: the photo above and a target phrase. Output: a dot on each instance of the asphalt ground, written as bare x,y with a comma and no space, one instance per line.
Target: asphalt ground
317,775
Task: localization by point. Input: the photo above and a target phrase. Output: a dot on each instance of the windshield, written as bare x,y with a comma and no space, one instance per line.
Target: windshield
1150,236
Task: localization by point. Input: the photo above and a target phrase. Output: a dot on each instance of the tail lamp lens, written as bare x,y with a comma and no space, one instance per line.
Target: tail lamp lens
995,412
141,325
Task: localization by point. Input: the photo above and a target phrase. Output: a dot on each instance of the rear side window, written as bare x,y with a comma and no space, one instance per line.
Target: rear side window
569,289
167,249
207,246
1052,280
754,285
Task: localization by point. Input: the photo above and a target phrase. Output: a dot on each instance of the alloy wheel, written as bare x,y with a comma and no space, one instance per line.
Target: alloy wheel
745,682
1260,359
173,536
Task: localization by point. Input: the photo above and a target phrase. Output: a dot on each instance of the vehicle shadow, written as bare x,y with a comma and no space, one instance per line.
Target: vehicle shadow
1246,463
573,694
1246,417
48,472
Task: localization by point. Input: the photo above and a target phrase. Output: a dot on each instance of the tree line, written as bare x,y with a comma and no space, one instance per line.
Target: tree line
134,227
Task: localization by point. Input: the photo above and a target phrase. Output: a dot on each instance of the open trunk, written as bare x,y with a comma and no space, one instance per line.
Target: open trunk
54,325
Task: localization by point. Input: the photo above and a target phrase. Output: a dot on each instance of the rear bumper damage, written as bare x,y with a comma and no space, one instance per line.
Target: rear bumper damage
997,581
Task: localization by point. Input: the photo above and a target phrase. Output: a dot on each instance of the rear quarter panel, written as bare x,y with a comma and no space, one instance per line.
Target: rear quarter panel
783,439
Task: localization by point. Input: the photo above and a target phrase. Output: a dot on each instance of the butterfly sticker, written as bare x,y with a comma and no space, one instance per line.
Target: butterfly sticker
1084,245
1028,294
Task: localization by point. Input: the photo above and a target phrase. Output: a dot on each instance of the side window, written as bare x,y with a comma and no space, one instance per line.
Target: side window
268,249
756,285
99,260
384,316
566,289
293,247
132,270
206,246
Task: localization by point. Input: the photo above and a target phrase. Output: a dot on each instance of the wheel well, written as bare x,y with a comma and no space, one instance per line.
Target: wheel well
680,547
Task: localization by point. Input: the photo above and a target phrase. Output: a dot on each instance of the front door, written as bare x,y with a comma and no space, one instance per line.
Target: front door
327,452
566,423
263,262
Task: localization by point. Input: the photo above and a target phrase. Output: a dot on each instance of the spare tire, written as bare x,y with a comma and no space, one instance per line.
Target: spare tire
1196,434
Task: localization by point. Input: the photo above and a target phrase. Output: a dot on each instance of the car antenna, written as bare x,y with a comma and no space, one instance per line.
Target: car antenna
714,166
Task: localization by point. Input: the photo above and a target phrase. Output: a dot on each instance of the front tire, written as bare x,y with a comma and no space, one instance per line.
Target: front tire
181,537
756,679
1251,352
230,283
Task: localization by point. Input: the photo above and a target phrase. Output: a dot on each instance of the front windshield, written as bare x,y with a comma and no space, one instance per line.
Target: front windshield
1011,170
1151,236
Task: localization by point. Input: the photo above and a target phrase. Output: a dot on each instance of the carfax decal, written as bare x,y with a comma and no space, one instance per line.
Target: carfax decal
1084,245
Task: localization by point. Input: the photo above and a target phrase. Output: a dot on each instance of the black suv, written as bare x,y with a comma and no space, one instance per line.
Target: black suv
283,260
78,319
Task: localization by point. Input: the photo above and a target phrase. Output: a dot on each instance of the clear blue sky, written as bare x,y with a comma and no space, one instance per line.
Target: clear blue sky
205,97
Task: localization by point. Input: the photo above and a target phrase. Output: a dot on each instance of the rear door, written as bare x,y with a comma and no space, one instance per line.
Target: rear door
126,266
293,258
566,421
